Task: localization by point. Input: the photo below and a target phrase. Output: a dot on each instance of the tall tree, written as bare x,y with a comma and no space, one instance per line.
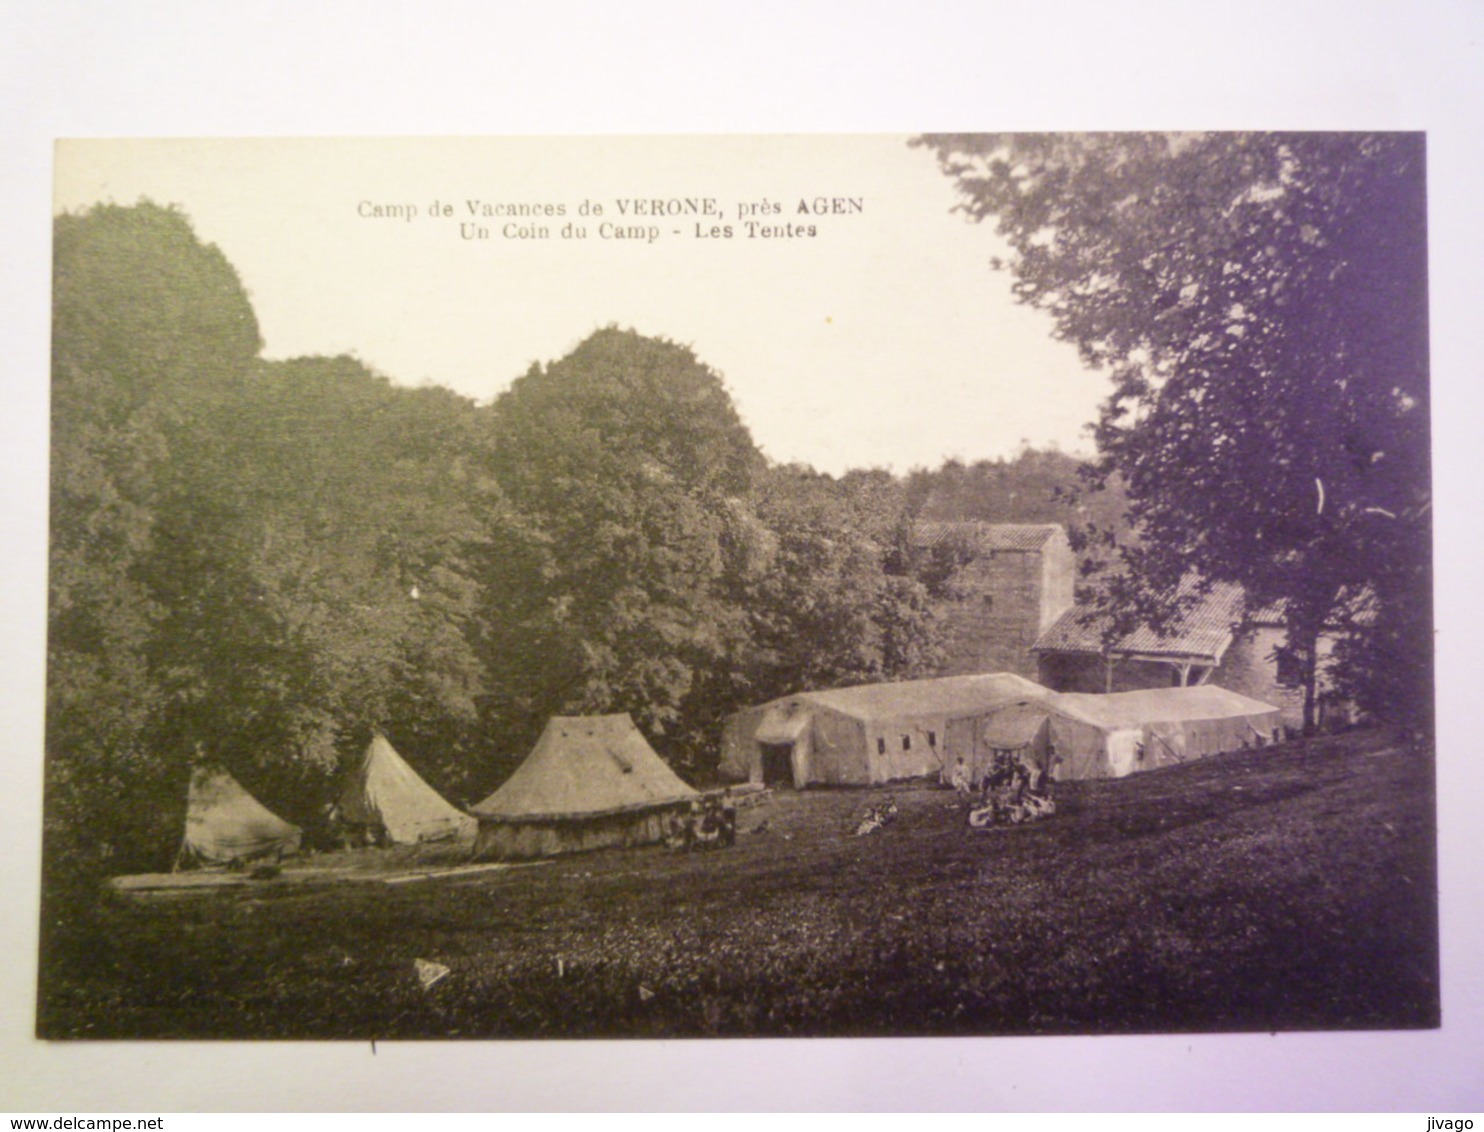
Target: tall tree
1260,301
659,565
148,324
631,469
845,598
252,563
319,578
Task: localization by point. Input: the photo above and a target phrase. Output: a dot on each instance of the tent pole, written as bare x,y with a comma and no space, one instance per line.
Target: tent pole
1176,755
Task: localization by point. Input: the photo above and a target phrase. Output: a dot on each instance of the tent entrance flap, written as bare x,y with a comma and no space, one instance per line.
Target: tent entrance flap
781,726
778,763
1012,732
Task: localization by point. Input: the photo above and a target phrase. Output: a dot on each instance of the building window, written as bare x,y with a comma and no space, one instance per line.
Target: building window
988,601
881,746
906,742
1290,667
932,738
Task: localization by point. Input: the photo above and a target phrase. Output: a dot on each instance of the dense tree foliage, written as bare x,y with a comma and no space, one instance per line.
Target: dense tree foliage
234,546
148,327
660,567
839,603
1033,486
631,470
1260,301
255,563
323,577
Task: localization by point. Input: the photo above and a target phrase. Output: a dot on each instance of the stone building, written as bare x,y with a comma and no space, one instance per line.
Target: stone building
1017,582
1210,644
1074,657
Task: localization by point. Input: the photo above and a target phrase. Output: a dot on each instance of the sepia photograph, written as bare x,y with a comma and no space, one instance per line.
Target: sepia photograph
739,586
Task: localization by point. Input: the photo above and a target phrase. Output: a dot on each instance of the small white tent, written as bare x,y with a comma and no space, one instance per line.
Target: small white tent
226,824
388,802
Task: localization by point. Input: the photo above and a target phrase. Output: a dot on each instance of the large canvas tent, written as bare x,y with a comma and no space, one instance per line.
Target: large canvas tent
1092,735
1021,728
226,824
385,801
591,782
863,735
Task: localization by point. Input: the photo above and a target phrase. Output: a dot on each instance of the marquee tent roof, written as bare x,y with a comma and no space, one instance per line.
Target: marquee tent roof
585,767
946,695
1150,706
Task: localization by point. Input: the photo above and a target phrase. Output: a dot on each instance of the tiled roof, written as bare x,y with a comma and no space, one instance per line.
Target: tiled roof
986,536
1204,632
1353,607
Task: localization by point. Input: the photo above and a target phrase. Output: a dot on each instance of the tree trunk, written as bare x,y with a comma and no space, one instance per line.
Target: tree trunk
1308,651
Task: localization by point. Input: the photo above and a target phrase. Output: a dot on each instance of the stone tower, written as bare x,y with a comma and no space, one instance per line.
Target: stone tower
1019,580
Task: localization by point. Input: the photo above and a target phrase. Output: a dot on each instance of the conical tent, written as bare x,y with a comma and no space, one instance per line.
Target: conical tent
224,823
387,800
590,782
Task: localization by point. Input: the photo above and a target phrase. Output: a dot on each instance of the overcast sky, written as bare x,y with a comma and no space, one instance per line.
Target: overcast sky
883,340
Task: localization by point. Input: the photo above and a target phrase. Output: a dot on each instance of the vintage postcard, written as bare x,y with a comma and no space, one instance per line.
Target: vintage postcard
739,586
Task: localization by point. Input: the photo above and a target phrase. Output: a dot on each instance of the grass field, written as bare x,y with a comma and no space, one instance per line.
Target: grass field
1292,888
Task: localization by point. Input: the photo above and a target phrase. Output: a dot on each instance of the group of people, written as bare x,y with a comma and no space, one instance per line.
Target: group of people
709,823
1010,792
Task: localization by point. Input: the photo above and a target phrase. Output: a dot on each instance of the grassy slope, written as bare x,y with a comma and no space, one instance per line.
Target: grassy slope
1285,889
